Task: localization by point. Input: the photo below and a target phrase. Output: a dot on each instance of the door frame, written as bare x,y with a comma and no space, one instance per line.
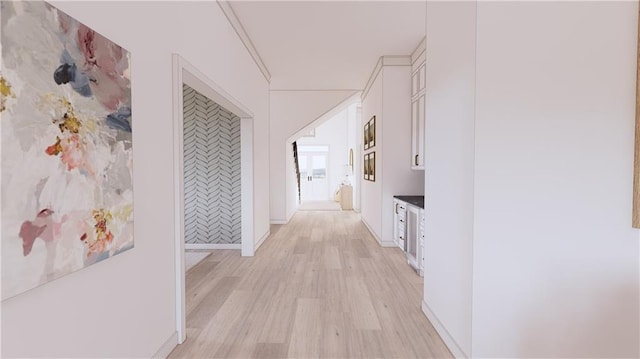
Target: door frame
185,73
327,157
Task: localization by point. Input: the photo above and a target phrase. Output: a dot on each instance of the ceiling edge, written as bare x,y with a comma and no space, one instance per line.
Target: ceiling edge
389,60
420,49
226,8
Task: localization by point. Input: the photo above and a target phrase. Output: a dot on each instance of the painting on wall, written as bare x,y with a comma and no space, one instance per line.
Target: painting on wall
372,132
366,166
67,180
372,166
366,136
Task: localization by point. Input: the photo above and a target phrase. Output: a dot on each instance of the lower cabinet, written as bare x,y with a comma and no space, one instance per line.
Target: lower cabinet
413,244
408,232
399,223
421,241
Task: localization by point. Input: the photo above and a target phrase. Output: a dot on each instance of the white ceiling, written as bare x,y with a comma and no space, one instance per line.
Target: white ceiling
329,45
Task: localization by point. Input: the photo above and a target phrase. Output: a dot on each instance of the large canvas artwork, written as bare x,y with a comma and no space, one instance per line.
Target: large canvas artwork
67,182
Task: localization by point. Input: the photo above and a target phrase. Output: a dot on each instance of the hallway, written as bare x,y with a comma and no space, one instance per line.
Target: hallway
319,287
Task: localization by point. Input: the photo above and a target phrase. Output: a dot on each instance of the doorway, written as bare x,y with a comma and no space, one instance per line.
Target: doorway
186,74
314,185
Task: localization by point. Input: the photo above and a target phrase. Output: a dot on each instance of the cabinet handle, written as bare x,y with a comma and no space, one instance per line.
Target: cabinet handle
402,220
416,160
396,208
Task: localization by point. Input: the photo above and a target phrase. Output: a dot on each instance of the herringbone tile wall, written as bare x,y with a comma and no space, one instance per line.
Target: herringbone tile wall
211,171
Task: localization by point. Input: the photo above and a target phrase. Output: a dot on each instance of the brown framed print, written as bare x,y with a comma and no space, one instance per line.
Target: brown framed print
366,136
372,166
366,166
372,131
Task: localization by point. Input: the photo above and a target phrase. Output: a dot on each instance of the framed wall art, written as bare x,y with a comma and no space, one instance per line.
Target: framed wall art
366,136
67,160
372,166
372,132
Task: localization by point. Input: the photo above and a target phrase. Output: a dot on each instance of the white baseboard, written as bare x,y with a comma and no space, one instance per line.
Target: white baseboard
380,242
284,221
448,340
167,347
290,215
387,244
261,240
208,246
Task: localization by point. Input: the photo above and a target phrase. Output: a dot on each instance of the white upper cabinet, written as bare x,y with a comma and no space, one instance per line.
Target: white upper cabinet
418,76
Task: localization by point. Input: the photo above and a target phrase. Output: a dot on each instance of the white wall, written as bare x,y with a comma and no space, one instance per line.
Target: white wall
389,99
354,141
125,306
449,151
332,133
290,112
395,132
371,192
555,260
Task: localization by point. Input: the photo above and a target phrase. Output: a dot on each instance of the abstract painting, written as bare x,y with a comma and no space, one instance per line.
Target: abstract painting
67,180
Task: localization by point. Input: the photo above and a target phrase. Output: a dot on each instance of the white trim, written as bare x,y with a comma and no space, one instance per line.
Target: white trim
226,8
185,73
203,84
178,201
352,98
261,240
372,78
292,213
446,337
208,246
167,347
382,243
395,60
246,184
313,90
289,216
419,50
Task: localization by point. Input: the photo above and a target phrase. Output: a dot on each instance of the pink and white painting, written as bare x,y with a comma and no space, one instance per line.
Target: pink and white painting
67,181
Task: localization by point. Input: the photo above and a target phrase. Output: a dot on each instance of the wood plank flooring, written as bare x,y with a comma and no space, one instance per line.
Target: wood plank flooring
319,287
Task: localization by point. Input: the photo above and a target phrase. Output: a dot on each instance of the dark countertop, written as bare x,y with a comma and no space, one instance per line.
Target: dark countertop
417,201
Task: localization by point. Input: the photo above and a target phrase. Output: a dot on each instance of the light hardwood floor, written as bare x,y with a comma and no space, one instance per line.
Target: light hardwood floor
319,287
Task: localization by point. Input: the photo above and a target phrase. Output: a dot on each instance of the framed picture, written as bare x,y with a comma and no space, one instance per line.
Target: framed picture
372,166
366,166
366,136
372,132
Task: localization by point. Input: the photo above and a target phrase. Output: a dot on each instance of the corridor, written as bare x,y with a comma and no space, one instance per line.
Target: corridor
319,287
